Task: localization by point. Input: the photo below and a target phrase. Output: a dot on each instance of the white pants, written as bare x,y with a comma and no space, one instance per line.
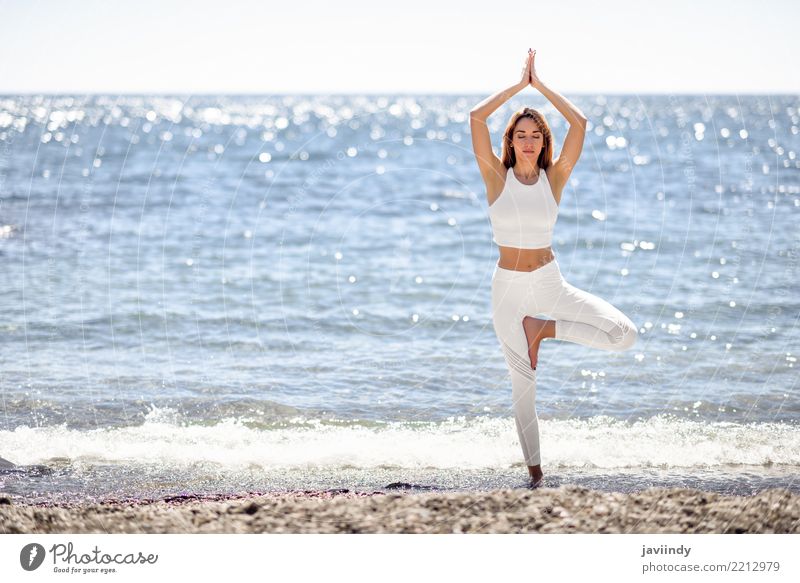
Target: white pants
580,317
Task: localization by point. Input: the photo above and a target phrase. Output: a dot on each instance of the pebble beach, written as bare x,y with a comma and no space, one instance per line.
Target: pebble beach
566,509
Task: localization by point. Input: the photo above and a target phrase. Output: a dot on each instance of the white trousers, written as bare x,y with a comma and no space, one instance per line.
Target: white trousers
580,317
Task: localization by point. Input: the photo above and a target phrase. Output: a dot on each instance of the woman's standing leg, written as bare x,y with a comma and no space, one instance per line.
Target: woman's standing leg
513,298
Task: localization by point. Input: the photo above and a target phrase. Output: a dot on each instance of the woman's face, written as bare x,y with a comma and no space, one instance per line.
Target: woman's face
527,139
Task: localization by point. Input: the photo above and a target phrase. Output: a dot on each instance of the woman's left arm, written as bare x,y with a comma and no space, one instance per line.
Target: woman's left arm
573,143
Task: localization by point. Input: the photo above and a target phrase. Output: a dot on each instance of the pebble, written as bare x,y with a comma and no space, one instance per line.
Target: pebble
565,509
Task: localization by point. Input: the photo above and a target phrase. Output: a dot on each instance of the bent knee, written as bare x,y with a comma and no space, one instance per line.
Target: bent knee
626,337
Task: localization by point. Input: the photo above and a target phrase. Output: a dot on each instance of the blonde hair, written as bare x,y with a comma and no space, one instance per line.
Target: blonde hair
545,156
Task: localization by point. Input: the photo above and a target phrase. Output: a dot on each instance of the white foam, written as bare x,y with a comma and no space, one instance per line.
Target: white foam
601,442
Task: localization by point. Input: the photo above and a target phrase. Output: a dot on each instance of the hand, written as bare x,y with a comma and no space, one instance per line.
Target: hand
526,71
534,78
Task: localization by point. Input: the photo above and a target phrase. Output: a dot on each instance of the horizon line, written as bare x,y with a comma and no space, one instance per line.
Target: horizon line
372,93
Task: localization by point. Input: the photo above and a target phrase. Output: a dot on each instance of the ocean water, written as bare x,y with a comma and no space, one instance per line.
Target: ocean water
258,293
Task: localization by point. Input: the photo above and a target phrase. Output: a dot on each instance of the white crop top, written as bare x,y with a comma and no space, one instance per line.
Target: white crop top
523,216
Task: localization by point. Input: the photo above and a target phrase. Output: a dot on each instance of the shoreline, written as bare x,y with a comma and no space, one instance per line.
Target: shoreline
566,509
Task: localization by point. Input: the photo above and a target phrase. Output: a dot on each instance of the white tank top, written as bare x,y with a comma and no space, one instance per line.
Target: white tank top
523,216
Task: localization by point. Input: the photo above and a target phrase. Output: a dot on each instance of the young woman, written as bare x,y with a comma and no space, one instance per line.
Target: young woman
524,191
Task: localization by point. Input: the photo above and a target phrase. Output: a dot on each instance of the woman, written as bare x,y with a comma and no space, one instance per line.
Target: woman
524,193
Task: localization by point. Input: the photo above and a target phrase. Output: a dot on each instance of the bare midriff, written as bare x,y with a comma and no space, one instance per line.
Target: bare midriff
524,259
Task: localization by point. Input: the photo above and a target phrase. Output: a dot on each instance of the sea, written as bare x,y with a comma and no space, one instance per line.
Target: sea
212,294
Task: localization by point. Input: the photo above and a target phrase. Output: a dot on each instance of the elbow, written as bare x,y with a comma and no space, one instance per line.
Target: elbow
476,120
475,115
581,121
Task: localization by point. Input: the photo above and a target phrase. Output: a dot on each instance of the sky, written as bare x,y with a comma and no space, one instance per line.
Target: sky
408,46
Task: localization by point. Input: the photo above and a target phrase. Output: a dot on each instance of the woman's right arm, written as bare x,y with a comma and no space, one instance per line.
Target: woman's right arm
490,165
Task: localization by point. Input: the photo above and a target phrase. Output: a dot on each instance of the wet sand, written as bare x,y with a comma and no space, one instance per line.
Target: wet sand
567,509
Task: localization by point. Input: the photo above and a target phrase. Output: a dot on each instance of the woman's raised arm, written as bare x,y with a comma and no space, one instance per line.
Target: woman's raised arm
573,142
490,165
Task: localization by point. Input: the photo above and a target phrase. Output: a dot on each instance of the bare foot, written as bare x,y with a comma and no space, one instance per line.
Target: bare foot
536,476
535,332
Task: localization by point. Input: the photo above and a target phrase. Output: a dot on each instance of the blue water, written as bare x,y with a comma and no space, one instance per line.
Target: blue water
217,293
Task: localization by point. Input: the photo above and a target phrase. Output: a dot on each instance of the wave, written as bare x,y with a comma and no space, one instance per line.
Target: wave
166,439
